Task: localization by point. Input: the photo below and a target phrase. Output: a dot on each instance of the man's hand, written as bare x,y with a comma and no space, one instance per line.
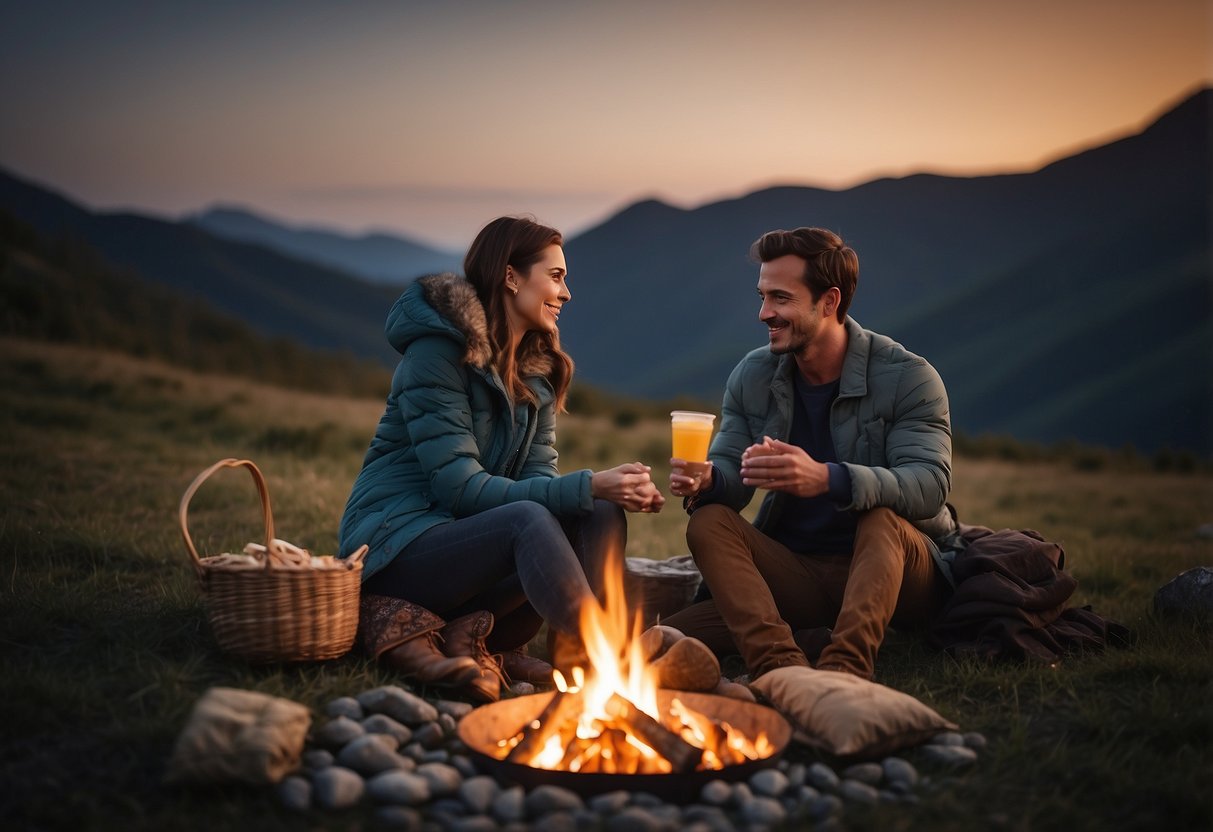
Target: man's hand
778,466
689,478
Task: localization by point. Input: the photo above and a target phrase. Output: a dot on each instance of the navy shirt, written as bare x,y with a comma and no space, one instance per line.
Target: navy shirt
815,525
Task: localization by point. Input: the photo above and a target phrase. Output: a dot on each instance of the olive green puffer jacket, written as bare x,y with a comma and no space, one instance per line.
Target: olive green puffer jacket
890,424
450,443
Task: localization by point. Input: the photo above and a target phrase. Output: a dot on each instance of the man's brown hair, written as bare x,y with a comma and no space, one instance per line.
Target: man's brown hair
828,260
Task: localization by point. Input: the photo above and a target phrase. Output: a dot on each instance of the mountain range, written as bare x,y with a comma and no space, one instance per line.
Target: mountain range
1072,302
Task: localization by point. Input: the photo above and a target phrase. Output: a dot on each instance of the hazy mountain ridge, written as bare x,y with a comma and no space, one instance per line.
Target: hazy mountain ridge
1072,302
379,257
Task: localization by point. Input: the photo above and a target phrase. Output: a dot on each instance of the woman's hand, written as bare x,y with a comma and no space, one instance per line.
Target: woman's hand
689,478
627,486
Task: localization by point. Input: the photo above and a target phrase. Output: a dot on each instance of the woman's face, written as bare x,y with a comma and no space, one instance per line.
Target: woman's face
541,293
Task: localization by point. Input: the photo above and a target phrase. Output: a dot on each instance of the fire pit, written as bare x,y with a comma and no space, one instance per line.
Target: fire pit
489,730
610,727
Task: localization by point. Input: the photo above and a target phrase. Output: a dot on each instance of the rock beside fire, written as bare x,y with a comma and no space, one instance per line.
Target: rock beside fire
435,784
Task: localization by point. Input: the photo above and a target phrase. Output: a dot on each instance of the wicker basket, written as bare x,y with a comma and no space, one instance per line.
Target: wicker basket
276,603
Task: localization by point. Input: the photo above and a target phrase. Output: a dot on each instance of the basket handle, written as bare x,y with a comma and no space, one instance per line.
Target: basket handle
183,509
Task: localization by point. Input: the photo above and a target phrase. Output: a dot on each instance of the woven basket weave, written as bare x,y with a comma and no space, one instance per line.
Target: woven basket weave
273,604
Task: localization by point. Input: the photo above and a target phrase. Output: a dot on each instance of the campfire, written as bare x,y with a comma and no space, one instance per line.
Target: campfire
611,718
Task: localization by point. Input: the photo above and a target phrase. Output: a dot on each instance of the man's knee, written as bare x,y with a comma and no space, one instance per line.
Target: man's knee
708,524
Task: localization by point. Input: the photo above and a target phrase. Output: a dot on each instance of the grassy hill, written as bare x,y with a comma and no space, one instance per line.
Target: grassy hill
105,644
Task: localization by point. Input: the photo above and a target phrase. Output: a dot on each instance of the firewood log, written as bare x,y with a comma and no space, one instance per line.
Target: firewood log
689,664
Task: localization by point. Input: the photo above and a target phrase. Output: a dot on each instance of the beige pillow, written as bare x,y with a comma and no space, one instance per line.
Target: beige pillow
848,716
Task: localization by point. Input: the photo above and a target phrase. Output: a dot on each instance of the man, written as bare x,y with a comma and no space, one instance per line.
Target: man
849,434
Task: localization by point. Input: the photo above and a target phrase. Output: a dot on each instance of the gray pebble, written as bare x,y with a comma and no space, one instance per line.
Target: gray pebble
668,814
399,704
634,819
646,800
555,822
716,792
796,774
822,777
522,688
443,779
544,800
337,788
508,806
975,741
398,817
346,706
438,755
449,724
386,740
947,738
806,794
950,755
399,787
825,806
478,793
870,773
315,759
763,811
897,770
384,724
769,782
458,710
429,735
712,817
295,793
740,794
368,755
609,802
464,765
858,792
886,796
413,750
474,823
337,732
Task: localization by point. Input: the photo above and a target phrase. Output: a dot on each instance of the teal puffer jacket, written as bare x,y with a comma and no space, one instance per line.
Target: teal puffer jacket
450,443
890,425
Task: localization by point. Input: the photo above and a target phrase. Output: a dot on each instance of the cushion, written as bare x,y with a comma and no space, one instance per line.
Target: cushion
848,716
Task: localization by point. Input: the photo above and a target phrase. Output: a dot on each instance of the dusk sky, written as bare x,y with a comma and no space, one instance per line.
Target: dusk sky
430,118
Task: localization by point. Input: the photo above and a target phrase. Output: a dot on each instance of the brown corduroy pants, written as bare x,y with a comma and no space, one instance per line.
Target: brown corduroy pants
762,591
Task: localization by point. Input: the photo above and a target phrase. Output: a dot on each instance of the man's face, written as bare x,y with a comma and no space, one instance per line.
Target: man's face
788,310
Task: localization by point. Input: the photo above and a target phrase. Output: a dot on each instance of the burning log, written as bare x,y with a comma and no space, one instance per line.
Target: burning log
559,717
682,756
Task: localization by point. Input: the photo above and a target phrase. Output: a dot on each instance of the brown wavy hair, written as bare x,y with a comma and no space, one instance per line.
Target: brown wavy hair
517,242
828,261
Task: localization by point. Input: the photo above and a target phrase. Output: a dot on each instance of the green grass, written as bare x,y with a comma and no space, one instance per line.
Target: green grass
105,645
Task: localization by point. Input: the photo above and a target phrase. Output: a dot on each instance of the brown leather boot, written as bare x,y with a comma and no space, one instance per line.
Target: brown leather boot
404,636
521,666
465,637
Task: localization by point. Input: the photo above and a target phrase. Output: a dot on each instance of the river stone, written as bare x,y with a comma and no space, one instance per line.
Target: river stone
609,802
337,788
667,813
384,724
386,740
825,806
763,811
346,706
444,780
555,822
870,773
634,819
368,755
741,794
295,793
947,738
821,776
646,800
796,774
337,732
399,787
1188,593
805,794
716,792
473,823
398,817
769,782
315,759
975,741
522,688
429,735
464,765
456,709
712,816
438,755
546,799
508,806
897,770
478,793
449,724
950,755
857,791
398,703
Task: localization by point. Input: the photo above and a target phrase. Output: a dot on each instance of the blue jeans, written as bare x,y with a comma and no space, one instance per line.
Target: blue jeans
518,561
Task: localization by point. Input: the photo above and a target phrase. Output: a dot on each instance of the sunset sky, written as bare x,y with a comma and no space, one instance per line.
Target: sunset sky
429,118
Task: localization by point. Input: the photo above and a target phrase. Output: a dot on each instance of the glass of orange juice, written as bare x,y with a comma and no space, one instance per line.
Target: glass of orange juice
692,434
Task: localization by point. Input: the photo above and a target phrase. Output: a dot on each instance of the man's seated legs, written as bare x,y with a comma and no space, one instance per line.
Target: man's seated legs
892,579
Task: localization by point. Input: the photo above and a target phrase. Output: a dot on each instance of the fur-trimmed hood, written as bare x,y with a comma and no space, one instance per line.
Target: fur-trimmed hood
446,304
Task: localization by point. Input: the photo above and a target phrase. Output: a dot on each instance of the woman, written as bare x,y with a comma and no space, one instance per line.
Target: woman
459,497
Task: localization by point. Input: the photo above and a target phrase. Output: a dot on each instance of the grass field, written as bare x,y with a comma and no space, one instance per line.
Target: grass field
105,644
